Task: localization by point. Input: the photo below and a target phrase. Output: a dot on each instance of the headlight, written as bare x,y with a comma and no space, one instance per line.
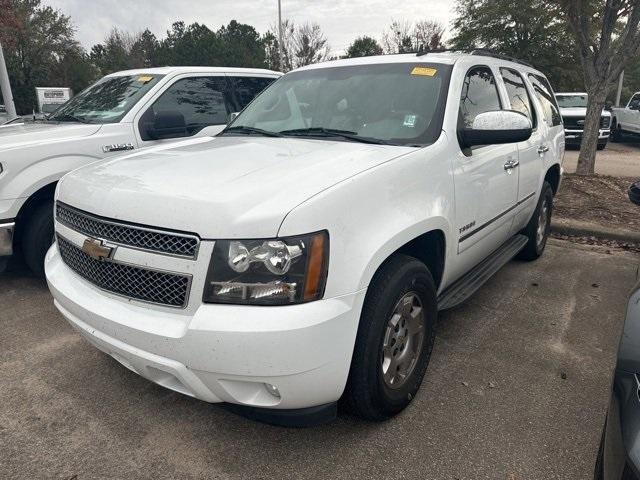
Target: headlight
279,271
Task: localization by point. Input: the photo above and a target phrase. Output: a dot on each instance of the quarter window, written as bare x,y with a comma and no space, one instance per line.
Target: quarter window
545,95
518,94
479,95
248,88
203,101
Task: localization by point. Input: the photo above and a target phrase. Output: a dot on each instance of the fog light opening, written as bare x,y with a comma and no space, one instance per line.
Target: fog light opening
272,389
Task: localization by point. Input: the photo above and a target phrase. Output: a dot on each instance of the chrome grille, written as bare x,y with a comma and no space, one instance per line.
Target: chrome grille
180,244
127,280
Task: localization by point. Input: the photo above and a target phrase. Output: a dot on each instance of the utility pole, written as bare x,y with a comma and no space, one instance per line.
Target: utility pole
619,91
280,49
5,87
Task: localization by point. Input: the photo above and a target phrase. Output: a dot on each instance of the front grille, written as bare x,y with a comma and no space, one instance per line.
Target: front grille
571,123
127,280
180,244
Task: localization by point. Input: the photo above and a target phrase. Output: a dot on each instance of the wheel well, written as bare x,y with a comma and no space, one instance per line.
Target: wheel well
45,194
429,248
553,177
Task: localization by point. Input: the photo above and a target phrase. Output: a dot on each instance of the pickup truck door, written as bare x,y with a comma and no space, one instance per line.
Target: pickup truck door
630,118
485,177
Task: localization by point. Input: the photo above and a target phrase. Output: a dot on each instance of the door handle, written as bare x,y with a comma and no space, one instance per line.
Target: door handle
510,164
542,149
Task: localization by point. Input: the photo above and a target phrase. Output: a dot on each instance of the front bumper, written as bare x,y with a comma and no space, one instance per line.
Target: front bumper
574,137
219,353
7,230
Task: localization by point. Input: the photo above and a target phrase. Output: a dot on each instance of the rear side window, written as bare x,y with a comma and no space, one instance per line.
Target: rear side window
479,95
248,88
518,94
547,99
203,101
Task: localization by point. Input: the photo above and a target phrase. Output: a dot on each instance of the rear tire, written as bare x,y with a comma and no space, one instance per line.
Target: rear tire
395,338
537,231
37,237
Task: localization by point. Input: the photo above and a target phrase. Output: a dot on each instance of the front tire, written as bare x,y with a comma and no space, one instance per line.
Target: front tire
37,237
395,338
616,132
537,231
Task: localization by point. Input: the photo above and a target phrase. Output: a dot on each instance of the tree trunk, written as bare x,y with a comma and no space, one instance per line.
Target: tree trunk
588,147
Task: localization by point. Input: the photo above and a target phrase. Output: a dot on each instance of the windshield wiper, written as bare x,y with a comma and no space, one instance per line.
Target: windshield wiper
242,129
68,116
331,132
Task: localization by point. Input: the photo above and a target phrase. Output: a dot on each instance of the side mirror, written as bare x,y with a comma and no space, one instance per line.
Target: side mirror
232,116
168,124
608,106
500,126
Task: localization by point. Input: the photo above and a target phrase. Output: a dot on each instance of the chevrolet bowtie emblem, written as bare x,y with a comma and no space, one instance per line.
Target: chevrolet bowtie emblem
95,249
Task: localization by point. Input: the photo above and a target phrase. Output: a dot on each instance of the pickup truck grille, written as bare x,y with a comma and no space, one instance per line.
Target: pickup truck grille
146,238
130,281
571,123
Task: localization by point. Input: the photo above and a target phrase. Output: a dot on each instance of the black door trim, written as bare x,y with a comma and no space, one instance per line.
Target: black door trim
498,217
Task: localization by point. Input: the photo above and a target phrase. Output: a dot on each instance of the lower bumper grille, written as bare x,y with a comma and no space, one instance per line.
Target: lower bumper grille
152,286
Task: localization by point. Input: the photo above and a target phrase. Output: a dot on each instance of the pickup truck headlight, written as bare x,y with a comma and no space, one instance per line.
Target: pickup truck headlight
279,271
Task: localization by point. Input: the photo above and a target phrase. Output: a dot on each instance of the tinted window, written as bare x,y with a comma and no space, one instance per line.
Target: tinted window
479,95
518,94
635,102
547,99
203,101
247,88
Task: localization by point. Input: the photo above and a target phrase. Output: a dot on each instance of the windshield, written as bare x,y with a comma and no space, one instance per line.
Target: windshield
106,101
397,103
572,101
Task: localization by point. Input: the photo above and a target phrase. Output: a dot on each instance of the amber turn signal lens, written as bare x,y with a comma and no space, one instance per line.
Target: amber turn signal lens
316,267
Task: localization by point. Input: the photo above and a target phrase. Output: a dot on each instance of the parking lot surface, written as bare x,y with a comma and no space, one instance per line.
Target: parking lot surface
516,389
617,160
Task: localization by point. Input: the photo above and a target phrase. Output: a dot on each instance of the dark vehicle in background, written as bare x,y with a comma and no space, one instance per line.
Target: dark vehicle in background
573,108
619,454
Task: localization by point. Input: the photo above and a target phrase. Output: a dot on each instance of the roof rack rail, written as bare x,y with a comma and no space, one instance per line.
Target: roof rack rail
486,52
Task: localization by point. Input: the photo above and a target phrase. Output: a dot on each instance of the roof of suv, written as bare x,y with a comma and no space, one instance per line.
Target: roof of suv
447,58
170,70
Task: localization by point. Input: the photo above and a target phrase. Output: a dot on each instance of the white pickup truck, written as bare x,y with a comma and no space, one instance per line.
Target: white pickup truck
626,120
302,255
123,111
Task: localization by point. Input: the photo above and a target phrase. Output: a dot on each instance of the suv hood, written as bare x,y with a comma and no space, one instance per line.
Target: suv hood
223,187
579,112
19,135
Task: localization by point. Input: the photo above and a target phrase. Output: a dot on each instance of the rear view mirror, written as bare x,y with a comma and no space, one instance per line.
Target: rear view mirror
500,126
168,124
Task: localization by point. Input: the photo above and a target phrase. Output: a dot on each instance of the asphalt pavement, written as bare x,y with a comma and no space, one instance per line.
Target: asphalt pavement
516,389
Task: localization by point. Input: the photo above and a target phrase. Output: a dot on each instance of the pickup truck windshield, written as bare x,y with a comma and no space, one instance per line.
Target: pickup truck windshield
107,100
572,101
394,103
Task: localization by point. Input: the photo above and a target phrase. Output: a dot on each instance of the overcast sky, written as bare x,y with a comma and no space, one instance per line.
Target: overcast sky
341,20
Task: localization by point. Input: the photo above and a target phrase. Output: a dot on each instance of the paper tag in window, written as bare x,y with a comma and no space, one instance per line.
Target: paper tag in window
409,121
145,78
424,71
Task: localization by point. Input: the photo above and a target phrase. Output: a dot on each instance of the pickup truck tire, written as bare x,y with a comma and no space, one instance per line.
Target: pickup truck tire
394,341
616,132
602,145
37,237
537,231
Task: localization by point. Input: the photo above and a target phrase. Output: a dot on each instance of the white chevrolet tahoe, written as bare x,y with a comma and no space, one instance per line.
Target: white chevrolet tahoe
303,254
573,109
123,111
626,120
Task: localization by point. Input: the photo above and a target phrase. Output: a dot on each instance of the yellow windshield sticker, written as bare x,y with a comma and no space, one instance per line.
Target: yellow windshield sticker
145,78
424,71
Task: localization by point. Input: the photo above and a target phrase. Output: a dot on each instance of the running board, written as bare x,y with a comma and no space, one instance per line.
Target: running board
466,286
